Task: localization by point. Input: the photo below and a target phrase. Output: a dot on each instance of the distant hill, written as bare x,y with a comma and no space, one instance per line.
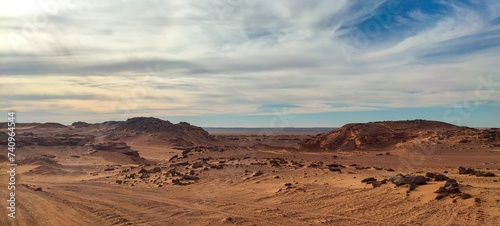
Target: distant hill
155,125
159,132
388,134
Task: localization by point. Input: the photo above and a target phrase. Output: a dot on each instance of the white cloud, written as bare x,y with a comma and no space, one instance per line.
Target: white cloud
195,58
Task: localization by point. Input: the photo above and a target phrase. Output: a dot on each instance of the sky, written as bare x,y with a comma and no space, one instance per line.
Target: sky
235,63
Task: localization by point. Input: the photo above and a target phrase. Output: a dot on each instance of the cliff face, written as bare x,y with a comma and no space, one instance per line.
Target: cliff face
388,134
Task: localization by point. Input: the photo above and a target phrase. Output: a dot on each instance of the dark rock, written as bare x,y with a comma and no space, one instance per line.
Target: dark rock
368,180
80,124
190,177
412,181
361,167
173,157
465,195
276,162
142,170
155,170
376,184
258,173
176,181
484,174
182,164
316,164
440,177
218,166
197,165
431,175
462,170
334,169
450,187
336,165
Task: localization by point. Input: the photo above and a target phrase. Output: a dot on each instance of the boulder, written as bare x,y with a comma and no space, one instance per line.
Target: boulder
412,180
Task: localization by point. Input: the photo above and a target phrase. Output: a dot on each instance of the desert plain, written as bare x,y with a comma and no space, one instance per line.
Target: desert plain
148,171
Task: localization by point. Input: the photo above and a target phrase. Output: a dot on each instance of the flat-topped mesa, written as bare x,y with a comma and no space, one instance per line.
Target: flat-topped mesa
380,135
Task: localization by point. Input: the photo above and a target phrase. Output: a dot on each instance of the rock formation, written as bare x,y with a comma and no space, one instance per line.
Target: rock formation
388,134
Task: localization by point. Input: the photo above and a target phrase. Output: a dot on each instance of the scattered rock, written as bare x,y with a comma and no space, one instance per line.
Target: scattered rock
258,173
437,176
465,195
335,169
368,180
470,171
440,177
451,188
411,180
218,166
190,177
173,157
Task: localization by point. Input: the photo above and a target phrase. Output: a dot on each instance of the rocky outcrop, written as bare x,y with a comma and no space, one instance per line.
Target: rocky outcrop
160,132
30,139
477,173
80,124
155,125
50,125
383,135
451,188
63,140
412,180
119,147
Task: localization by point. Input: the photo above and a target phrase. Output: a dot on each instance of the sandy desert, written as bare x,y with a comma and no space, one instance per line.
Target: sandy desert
147,171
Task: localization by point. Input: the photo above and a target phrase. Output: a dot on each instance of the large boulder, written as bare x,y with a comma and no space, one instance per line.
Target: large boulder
412,180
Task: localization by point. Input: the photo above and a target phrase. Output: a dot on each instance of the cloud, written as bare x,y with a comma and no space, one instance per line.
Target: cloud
245,58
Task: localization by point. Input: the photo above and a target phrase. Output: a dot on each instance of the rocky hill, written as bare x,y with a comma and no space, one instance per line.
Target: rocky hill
157,131
389,134
155,125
